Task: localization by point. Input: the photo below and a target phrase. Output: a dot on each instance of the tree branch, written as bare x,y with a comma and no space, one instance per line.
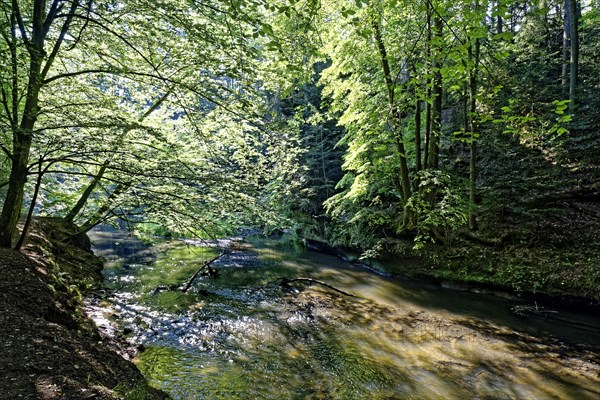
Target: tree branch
19,18
54,8
85,24
116,34
61,36
7,108
6,151
189,283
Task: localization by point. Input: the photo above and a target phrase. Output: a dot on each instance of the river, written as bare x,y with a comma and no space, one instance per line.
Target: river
242,335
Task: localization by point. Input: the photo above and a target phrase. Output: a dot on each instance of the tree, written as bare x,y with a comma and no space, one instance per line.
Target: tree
27,42
78,75
572,21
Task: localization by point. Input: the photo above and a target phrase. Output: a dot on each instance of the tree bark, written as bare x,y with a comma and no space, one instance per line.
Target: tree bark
427,138
404,172
566,49
36,192
499,21
100,214
436,109
473,81
419,165
23,133
574,69
499,25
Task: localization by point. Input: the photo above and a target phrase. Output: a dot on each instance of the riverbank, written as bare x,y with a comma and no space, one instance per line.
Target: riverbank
551,256
50,349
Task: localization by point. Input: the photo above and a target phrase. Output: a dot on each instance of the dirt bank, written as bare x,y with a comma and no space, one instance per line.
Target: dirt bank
50,350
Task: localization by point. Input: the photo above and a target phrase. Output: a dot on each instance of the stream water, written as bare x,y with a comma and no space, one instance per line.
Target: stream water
241,335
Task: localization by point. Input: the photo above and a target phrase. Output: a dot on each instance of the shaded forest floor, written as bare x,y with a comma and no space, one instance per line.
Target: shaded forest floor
539,227
552,255
50,350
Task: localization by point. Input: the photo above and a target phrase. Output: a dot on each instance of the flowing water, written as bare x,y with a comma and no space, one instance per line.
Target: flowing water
242,335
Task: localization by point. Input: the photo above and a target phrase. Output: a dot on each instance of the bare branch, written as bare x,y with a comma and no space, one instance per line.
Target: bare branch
286,283
7,108
189,283
61,36
19,18
54,9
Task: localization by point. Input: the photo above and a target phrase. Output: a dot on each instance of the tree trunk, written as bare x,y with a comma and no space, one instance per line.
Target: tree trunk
436,109
100,214
11,210
22,137
36,192
92,186
574,70
427,138
474,139
419,165
404,172
22,134
565,49
499,20
86,194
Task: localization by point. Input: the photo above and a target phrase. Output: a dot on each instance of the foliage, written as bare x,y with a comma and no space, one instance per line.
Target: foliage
167,102
356,122
440,207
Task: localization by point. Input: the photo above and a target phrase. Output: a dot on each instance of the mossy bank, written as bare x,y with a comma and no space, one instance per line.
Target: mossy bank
553,258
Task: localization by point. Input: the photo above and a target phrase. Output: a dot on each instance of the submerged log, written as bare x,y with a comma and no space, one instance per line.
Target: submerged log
532,311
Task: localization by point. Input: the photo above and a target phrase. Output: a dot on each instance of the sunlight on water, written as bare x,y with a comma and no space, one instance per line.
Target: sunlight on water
241,336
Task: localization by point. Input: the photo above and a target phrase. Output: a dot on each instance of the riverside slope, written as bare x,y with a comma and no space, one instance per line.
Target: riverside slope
49,348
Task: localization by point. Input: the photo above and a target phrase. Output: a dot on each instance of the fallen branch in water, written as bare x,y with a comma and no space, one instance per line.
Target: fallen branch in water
533,311
189,283
286,283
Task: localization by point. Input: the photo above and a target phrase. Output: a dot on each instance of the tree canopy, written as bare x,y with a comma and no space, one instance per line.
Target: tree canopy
354,121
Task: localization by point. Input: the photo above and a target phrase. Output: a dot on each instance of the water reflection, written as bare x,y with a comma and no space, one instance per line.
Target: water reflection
243,337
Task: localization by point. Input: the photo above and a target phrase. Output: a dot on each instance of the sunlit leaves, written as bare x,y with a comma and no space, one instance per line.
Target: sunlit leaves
168,96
